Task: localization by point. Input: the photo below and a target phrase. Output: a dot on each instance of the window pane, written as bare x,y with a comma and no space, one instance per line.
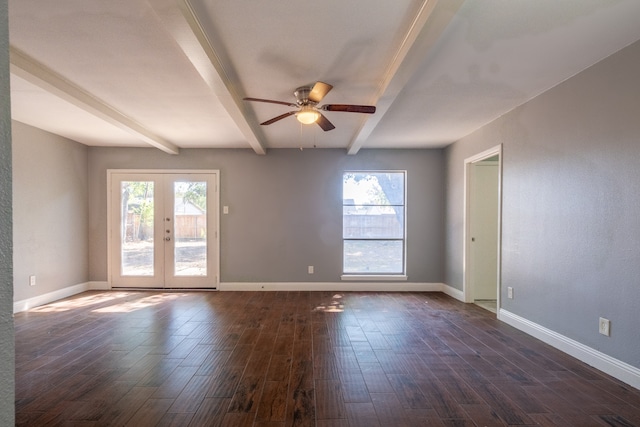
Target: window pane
373,222
373,188
373,256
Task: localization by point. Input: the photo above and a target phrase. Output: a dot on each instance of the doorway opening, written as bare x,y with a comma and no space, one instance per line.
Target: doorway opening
483,210
163,229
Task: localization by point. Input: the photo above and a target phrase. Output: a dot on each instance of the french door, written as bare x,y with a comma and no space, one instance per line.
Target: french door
163,229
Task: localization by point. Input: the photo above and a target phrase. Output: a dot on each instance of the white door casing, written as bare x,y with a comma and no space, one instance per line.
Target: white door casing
159,236
468,252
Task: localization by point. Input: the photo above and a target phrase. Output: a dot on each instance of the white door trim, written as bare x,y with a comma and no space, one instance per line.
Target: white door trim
216,222
468,164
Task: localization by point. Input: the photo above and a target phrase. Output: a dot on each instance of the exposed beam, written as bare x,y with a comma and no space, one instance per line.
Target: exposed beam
200,51
29,69
420,37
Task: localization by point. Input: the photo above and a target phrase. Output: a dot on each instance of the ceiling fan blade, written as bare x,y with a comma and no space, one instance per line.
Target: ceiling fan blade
347,108
319,91
271,101
280,117
324,123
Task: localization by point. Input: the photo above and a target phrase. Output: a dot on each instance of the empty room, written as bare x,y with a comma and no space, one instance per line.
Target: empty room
334,213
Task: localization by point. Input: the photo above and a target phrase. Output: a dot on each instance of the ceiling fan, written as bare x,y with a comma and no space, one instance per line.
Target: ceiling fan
308,111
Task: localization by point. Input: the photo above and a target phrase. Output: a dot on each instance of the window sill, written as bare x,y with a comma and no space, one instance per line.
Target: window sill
374,277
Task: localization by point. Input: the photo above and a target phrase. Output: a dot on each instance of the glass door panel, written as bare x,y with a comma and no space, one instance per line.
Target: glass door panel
135,250
161,235
190,228
136,228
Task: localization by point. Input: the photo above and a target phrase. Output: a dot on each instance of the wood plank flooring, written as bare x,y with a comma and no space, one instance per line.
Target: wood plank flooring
297,359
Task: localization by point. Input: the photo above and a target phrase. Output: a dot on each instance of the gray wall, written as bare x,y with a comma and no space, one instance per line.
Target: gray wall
286,208
571,211
7,344
50,212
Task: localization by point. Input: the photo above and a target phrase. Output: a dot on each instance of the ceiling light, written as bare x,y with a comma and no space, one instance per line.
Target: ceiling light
307,115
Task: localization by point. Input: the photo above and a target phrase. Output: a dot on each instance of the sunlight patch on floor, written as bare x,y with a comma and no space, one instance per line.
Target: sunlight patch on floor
80,302
139,304
334,307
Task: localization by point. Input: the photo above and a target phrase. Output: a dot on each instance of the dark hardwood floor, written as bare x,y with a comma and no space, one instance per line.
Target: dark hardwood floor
297,359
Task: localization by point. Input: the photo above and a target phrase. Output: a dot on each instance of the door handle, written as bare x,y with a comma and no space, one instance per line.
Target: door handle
168,239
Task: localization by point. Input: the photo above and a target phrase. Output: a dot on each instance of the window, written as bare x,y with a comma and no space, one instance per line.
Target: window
373,223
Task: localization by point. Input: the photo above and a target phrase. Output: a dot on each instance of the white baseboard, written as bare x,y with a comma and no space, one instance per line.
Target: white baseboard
28,303
331,286
623,371
99,286
36,301
616,368
453,292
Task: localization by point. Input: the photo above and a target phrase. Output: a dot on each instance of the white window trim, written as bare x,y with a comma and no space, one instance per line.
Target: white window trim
379,277
374,277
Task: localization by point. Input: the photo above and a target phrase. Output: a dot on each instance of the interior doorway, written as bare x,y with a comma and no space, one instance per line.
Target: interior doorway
483,176
163,229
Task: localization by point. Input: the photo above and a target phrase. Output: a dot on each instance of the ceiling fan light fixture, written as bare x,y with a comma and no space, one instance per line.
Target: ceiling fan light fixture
306,107
307,115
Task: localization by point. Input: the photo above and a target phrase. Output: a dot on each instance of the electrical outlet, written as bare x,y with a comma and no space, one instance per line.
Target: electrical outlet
509,292
605,327
310,269
32,280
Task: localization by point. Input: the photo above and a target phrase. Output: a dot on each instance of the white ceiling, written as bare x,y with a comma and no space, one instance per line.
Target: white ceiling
172,73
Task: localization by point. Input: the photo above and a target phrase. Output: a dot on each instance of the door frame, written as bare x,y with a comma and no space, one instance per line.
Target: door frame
466,251
216,222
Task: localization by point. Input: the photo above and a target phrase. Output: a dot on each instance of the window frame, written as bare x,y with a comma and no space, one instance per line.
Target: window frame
377,276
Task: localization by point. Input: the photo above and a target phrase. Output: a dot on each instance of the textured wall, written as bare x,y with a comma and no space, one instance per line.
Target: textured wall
50,212
286,208
571,228
7,345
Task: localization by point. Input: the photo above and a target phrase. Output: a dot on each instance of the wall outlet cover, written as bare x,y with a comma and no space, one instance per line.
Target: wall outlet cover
604,326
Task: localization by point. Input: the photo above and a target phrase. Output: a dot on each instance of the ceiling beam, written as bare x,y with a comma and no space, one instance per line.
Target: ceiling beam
194,42
22,65
420,37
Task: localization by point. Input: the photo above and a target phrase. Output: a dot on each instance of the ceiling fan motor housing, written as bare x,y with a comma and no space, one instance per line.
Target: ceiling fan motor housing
302,96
